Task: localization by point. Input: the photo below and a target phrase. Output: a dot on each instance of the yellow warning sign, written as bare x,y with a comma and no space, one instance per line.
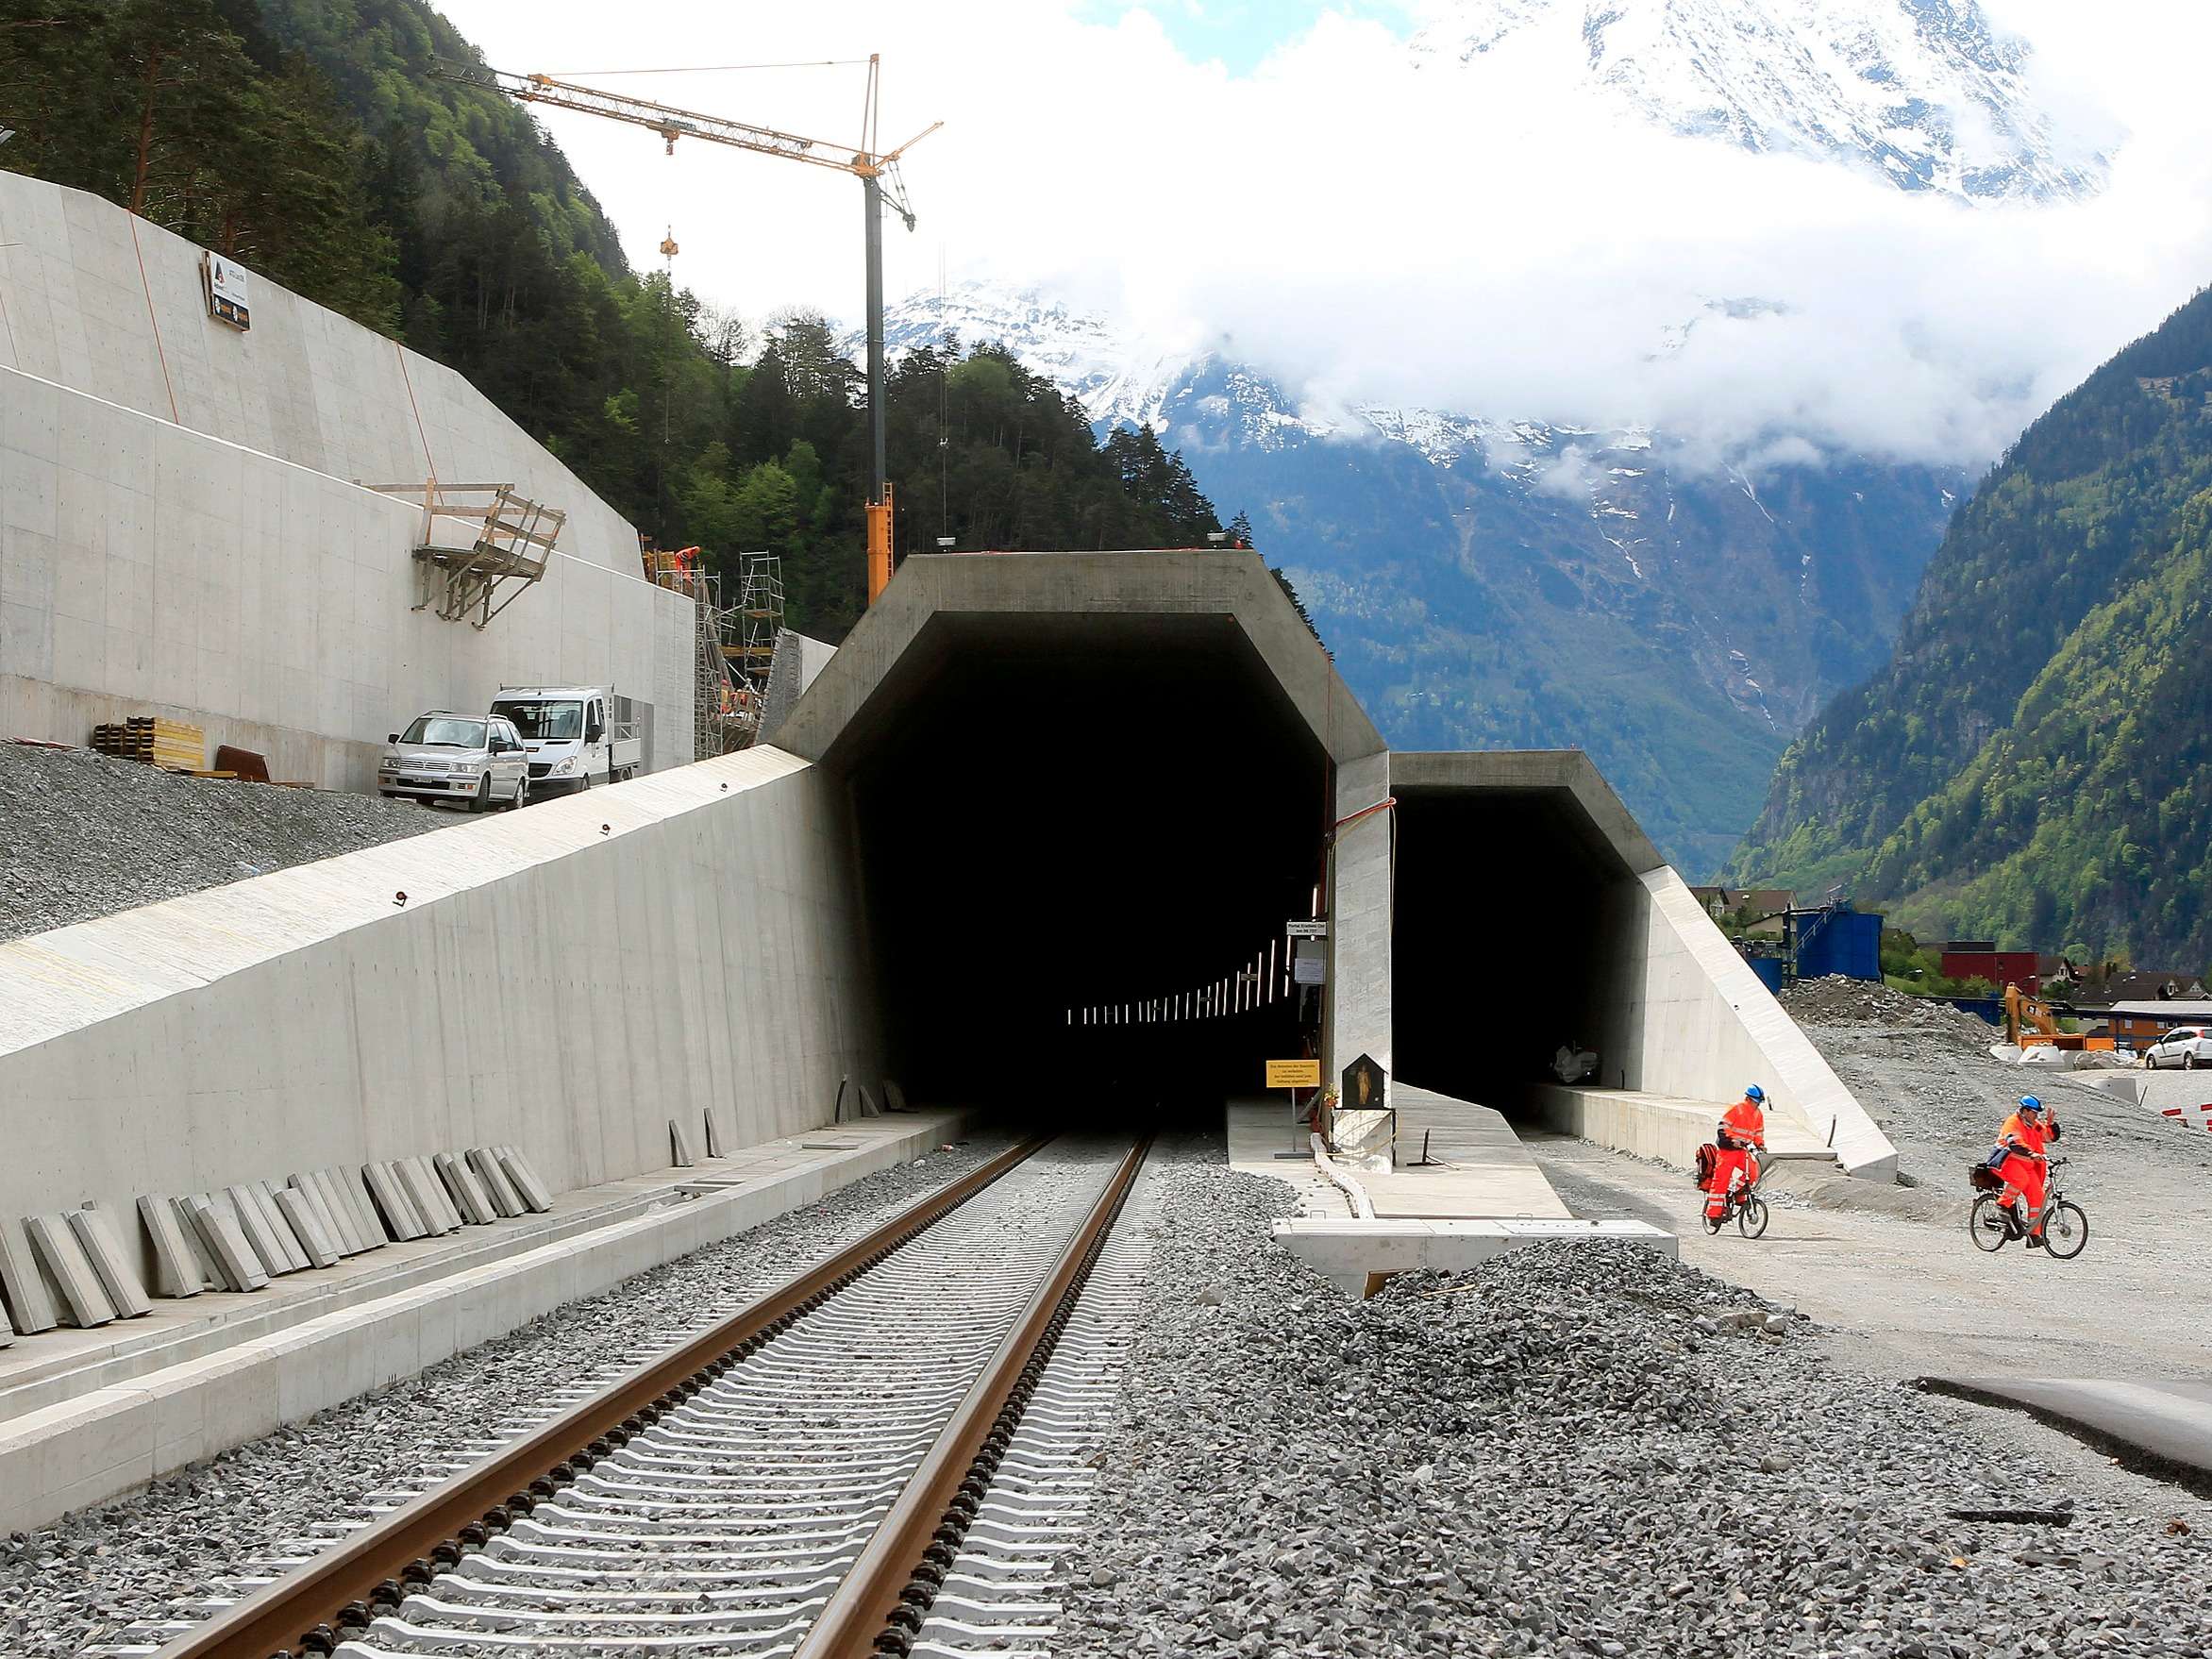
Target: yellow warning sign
1294,1074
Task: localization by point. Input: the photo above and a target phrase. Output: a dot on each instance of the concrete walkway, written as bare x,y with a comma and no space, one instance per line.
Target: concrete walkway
1478,1168
1481,1170
1480,1195
2162,1429
87,1414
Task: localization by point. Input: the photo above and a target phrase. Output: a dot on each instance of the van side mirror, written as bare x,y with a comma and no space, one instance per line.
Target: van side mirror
594,732
393,737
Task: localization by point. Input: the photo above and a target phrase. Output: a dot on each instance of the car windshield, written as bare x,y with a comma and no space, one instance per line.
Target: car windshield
537,721
445,732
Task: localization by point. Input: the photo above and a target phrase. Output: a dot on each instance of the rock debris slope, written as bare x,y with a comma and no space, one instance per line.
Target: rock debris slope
1572,1450
87,837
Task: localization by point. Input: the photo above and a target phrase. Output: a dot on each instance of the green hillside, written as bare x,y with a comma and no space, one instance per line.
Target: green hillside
2033,762
313,142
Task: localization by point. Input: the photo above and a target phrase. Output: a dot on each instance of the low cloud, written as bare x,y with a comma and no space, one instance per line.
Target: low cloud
1495,244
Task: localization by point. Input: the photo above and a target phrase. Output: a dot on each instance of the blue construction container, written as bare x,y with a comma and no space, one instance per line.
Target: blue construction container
1769,968
1839,940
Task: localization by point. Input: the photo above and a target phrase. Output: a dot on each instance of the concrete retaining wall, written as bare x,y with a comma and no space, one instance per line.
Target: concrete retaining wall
159,555
1669,1130
545,983
1697,1023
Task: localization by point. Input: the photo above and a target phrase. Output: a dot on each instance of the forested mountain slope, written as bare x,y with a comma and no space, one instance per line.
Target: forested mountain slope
2035,761
313,142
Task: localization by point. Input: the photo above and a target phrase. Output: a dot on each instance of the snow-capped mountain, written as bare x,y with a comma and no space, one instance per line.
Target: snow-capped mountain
1924,90
1521,583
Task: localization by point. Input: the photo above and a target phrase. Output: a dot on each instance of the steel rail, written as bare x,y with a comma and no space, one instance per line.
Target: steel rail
881,1601
341,1591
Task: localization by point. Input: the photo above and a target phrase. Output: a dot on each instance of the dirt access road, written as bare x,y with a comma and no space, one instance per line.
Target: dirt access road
1911,1297
1893,1267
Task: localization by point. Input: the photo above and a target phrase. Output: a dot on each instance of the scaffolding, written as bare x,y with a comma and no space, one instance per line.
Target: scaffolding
760,620
716,728
480,545
736,644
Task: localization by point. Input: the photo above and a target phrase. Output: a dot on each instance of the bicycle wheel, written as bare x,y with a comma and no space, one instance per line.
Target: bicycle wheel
1751,1220
1712,1221
2065,1230
1986,1223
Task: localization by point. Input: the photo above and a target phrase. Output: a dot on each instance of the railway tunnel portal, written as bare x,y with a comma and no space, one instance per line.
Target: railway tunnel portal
1088,793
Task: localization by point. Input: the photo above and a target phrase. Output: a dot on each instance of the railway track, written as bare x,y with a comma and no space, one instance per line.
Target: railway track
883,1455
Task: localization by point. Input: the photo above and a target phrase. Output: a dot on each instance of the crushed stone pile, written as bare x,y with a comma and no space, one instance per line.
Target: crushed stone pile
1585,1449
88,835
1926,1075
1838,1000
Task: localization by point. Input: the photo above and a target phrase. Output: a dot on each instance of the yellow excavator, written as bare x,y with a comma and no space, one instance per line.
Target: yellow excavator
2029,1023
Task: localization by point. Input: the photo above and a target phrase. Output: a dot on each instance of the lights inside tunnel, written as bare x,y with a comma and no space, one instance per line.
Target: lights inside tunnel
1263,981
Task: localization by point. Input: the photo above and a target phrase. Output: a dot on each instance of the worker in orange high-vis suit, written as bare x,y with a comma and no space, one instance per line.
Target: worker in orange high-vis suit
2024,1166
1742,1133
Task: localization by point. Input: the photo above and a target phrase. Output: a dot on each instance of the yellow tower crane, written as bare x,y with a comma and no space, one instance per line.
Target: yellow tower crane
880,186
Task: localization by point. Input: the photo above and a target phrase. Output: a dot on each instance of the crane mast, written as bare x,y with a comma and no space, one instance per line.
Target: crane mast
880,186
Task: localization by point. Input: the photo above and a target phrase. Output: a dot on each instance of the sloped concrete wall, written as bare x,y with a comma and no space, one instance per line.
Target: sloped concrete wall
546,983
1701,1025
161,556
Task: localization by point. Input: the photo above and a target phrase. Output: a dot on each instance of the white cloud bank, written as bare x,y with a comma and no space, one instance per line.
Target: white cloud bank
1493,243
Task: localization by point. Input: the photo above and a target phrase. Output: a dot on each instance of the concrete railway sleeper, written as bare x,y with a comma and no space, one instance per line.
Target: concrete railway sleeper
733,1493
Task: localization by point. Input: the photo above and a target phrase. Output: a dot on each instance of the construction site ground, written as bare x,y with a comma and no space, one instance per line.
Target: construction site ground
1893,1269
88,835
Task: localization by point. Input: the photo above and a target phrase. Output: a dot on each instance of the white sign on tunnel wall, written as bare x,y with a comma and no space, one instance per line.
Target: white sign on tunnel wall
226,283
1307,930
1310,966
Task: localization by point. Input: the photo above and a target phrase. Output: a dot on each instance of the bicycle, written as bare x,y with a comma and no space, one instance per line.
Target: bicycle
1992,1224
1743,1206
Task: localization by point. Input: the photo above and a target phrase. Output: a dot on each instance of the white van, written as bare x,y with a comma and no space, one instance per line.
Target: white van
571,742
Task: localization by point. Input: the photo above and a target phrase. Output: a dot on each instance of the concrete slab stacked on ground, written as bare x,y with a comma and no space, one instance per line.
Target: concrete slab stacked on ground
464,1188
30,1308
237,1262
197,1377
81,1301
104,1250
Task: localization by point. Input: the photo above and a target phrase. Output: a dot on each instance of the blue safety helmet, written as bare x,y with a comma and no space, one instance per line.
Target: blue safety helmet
1754,1093
2029,1103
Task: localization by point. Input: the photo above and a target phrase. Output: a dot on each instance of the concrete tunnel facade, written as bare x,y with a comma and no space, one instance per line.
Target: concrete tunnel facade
1107,781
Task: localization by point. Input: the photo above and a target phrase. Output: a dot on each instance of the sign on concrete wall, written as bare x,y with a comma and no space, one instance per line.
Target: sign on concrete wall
1310,966
226,283
1307,930
1294,1074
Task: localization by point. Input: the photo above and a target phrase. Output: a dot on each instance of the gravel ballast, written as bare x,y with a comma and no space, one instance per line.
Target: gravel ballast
87,1581
89,835
1574,1449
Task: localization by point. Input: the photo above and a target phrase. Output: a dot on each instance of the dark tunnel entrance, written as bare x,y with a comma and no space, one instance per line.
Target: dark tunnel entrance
1071,833
1515,931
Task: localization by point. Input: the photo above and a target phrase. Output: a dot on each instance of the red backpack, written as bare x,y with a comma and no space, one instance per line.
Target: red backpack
1708,1161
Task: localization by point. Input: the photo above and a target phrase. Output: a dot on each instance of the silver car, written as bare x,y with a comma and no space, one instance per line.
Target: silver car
467,758
2186,1046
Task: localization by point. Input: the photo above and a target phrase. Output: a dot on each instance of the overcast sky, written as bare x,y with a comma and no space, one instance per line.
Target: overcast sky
1276,173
